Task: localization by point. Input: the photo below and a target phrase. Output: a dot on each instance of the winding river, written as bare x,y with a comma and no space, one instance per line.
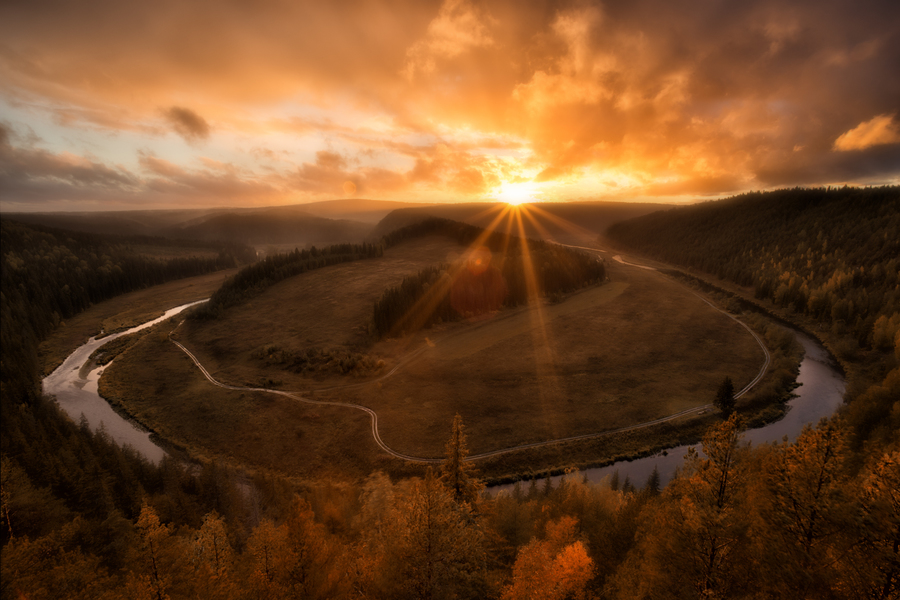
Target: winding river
75,381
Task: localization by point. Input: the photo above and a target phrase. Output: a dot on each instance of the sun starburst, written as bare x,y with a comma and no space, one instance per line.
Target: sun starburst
518,192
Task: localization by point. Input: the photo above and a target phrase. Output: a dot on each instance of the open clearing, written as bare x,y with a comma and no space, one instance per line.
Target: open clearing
632,350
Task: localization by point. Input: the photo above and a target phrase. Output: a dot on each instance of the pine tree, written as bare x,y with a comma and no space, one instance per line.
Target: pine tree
725,397
651,488
547,489
457,474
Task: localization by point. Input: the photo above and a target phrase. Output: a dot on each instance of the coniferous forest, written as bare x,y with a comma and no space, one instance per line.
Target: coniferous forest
827,259
255,278
490,277
816,518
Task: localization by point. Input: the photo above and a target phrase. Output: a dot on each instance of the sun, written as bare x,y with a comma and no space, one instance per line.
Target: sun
517,193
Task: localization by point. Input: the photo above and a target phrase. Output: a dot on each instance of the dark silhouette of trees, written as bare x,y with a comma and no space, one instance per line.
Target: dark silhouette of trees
493,275
652,486
832,254
725,400
458,474
254,279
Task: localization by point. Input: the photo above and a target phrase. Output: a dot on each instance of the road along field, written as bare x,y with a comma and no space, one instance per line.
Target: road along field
635,349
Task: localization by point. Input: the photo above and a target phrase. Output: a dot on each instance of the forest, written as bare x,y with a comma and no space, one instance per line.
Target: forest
831,254
254,279
827,259
815,518
491,276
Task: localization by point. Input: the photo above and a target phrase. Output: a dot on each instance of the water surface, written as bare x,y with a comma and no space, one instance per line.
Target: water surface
75,381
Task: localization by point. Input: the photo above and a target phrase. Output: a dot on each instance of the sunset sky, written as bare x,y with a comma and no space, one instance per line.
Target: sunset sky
111,105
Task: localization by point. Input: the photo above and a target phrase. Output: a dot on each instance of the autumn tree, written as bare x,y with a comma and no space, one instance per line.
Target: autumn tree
213,558
437,548
808,513
266,550
458,474
53,566
554,568
159,559
691,541
877,562
310,552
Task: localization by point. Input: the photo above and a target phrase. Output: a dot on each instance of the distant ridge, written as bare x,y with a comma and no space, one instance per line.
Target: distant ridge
336,221
568,222
367,211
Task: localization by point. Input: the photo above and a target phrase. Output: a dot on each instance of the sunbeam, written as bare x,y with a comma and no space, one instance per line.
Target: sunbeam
548,386
565,224
421,311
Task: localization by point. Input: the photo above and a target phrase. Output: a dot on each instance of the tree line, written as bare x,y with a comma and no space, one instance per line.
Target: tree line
504,271
253,279
56,475
798,519
50,275
829,256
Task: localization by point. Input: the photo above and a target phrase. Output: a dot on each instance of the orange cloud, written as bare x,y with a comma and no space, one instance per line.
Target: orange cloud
446,99
874,132
459,26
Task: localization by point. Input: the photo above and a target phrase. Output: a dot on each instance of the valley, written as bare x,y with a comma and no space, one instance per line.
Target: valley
601,359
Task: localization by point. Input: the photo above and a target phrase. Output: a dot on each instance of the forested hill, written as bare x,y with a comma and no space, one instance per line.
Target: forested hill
829,256
833,254
49,275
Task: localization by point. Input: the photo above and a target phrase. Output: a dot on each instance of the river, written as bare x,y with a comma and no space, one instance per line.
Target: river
74,383
820,394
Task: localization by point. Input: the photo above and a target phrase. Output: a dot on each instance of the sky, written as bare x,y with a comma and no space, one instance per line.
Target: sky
112,105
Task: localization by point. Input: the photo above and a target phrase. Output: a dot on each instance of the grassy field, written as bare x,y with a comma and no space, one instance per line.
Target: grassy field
635,349
263,431
639,348
327,310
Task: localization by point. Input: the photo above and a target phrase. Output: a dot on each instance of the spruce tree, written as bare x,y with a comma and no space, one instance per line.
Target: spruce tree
725,397
651,488
614,481
457,474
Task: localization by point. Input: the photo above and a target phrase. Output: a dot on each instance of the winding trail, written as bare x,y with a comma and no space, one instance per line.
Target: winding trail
373,416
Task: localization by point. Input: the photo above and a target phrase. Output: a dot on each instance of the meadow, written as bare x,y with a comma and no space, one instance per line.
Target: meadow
638,347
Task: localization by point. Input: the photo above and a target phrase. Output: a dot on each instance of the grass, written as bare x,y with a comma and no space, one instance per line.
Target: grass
638,349
263,431
626,352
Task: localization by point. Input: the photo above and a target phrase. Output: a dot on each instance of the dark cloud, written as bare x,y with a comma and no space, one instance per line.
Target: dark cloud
872,166
31,177
21,167
188,124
